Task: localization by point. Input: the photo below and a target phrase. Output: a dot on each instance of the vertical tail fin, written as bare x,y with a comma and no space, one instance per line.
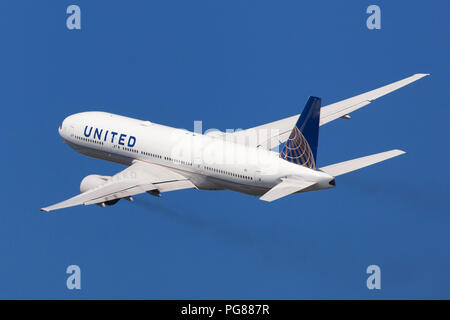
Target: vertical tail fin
301,147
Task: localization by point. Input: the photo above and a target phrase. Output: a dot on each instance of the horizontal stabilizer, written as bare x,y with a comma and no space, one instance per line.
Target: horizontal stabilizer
341,168
284,188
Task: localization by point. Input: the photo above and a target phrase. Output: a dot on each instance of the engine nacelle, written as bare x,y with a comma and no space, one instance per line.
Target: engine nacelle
92,181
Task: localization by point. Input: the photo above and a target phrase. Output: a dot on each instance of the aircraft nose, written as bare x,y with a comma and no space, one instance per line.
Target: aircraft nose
62,128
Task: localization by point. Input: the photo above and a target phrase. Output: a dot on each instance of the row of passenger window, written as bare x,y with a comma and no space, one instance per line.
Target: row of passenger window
186,163
151,154
242,176
88,140
130,150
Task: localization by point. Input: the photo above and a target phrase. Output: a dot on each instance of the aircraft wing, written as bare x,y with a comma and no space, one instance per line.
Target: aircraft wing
272,134
286,187
138,178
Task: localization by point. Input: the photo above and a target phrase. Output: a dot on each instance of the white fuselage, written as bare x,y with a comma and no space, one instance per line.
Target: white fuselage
209,162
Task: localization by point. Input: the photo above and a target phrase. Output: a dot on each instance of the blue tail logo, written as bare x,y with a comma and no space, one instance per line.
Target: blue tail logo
301,146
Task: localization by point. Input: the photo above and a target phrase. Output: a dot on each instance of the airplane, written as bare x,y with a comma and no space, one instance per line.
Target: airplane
161,158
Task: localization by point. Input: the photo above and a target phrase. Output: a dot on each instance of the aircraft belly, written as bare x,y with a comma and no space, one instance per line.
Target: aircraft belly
202,182
238,187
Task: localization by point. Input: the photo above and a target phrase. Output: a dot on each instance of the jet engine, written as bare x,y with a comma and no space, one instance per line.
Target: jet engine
92,181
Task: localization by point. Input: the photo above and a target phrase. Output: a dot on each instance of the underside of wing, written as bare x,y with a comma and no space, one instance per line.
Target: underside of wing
272,134
138,178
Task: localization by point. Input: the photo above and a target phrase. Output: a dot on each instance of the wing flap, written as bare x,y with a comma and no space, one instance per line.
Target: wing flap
175,185
329,115
284,188
123,193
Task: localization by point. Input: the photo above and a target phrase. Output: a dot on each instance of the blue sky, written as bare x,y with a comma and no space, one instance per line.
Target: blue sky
231,64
